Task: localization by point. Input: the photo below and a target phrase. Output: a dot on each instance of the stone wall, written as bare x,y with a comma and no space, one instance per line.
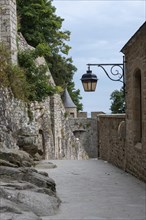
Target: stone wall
82,115
8,26
86,131
40,129
112,139
19,125
65,145
135,54
10,114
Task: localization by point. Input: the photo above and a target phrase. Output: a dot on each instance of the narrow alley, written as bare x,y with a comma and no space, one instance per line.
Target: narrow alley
96,190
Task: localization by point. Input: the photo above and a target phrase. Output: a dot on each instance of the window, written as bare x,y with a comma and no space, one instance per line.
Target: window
72,115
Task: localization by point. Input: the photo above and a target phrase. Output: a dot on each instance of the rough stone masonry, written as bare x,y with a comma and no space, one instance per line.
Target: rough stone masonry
8,27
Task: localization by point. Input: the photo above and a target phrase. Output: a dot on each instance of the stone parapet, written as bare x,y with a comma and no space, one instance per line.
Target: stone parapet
95,114
86,131
82,115
111,143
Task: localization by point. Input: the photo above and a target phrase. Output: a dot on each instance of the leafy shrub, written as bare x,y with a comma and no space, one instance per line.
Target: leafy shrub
36,76
12,76
27,81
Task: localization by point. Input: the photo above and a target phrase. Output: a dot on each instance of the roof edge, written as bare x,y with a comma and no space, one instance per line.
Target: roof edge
132,38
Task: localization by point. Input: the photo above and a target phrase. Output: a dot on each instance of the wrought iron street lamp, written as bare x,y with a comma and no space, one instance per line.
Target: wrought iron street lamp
89,81
117,71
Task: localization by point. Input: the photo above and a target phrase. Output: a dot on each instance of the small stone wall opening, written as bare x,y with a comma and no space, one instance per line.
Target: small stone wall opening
72,115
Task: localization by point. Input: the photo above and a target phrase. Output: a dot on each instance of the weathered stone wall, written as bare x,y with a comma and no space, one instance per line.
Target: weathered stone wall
8,26
20,125
9,117
135,54
82,115
86,130
40,129
112,139
65,145
71,112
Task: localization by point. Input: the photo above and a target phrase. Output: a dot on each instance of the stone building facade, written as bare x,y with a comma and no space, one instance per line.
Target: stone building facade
122,141
135,56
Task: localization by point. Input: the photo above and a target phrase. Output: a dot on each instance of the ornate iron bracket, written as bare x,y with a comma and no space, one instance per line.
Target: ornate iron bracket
117,71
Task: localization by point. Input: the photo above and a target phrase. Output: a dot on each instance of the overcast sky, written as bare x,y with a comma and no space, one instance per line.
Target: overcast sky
99,30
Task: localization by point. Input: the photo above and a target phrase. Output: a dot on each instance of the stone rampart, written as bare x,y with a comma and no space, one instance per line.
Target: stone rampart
86,130
40,129
112,139
82,115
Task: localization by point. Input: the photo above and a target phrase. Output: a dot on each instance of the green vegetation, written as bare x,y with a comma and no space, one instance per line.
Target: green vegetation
36,77
12,76
28,81
66,114
118,101
41,28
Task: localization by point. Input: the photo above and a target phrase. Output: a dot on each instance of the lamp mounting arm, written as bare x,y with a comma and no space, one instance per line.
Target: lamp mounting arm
116,72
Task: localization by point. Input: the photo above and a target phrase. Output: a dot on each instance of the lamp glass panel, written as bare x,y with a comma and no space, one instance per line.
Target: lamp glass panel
93,86
89,86
86,85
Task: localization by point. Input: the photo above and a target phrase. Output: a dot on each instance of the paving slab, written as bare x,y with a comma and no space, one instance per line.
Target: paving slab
96,190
